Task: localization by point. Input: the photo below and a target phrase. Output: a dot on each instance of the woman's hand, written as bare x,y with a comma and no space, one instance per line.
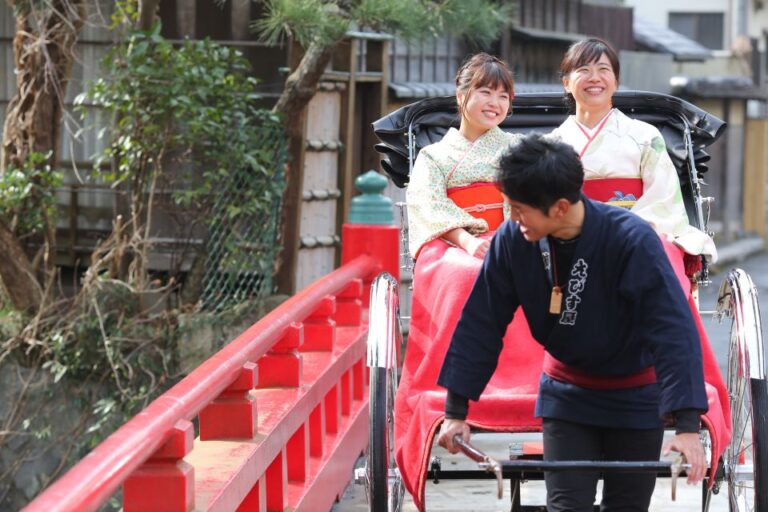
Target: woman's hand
689,445
473,245
449,429
477,247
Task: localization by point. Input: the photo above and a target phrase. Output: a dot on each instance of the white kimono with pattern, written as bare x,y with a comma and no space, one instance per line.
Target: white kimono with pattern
454,161
629,148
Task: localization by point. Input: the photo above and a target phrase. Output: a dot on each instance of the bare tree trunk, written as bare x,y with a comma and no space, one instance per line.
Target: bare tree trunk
300,87
18,276
43,57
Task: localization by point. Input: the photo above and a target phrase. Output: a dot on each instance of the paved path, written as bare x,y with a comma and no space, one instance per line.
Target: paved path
479,495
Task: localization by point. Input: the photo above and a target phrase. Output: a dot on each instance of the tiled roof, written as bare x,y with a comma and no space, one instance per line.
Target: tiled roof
405,90
732,86
661,39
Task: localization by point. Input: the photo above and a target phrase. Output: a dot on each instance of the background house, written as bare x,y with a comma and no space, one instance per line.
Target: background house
731,85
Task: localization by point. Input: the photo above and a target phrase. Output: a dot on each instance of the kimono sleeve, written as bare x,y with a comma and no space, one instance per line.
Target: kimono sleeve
662,321
431,213
662,201
477,341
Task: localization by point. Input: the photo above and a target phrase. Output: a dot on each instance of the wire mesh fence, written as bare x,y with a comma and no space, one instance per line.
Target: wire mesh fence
242,243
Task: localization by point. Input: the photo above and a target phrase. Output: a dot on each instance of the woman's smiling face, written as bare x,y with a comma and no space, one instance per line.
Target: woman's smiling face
592,85
485,108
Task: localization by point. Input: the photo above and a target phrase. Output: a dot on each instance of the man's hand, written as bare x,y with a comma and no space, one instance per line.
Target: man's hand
449,429
477,247
689,445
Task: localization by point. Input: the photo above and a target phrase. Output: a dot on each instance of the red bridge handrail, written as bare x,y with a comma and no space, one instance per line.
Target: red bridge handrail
94,479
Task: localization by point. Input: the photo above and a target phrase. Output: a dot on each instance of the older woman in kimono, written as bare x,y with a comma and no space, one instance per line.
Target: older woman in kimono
625,160
626,163
451,195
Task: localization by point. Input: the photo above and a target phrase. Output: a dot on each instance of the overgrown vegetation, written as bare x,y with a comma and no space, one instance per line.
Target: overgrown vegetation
184,120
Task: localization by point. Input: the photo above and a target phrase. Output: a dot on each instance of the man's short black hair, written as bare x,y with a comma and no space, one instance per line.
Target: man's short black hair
538,170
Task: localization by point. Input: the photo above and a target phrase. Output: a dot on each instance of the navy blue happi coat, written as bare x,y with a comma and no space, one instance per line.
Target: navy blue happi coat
622,311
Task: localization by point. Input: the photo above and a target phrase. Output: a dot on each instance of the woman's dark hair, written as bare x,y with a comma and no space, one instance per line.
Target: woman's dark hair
538,170
586,52
483,70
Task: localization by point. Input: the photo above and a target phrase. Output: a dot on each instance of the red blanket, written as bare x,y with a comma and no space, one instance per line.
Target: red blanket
442,281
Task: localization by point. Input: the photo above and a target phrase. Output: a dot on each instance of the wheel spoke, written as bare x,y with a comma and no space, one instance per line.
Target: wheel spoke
745,456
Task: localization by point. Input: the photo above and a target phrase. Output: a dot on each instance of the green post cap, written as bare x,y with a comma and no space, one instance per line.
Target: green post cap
371,207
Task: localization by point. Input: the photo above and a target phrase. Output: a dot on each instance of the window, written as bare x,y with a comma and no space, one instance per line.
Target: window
706,28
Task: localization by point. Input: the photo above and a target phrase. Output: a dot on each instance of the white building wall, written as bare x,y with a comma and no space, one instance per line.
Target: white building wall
658,10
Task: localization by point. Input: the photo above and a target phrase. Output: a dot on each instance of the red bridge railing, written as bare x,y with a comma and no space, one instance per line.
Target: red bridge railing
282,410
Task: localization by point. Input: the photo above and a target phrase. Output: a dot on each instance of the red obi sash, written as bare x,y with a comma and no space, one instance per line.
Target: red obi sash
482,200
622,192
564,373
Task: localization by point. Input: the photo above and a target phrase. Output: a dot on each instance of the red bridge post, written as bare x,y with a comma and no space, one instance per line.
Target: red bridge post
165,475
233,414
372,230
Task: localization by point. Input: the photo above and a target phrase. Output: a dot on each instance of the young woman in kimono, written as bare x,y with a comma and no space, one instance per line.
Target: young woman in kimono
625,160
626,163
451,195
453,208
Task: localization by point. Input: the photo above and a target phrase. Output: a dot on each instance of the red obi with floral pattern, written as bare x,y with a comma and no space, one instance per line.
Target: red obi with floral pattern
622,192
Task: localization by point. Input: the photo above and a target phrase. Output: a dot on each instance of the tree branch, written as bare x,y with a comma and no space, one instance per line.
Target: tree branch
302,83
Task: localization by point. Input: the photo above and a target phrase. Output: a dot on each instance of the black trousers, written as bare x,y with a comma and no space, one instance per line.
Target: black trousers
575,491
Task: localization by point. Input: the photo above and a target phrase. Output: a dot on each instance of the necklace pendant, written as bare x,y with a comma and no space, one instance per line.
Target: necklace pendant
555,300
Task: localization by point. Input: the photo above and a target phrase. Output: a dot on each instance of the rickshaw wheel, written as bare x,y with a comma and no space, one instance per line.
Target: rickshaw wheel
746,457
385,486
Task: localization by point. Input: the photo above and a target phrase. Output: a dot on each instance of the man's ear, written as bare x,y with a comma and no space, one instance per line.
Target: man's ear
562,206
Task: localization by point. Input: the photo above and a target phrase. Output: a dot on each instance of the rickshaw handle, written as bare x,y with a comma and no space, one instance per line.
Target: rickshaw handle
484,461
491,465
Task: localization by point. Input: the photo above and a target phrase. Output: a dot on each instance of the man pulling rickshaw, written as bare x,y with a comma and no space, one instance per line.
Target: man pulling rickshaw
622,350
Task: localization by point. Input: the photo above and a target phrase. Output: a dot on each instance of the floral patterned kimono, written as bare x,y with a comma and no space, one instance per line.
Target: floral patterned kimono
630,158
442,279
450,165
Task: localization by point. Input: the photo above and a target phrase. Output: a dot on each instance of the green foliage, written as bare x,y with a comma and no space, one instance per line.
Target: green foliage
196,104
127,356
478,20
304,20
404,16
326,22
124,14
27,194
188,114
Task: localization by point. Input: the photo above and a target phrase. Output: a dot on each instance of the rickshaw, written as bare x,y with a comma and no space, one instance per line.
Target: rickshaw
687,130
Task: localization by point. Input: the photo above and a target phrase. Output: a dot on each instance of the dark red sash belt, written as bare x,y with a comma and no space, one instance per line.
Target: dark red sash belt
562,372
